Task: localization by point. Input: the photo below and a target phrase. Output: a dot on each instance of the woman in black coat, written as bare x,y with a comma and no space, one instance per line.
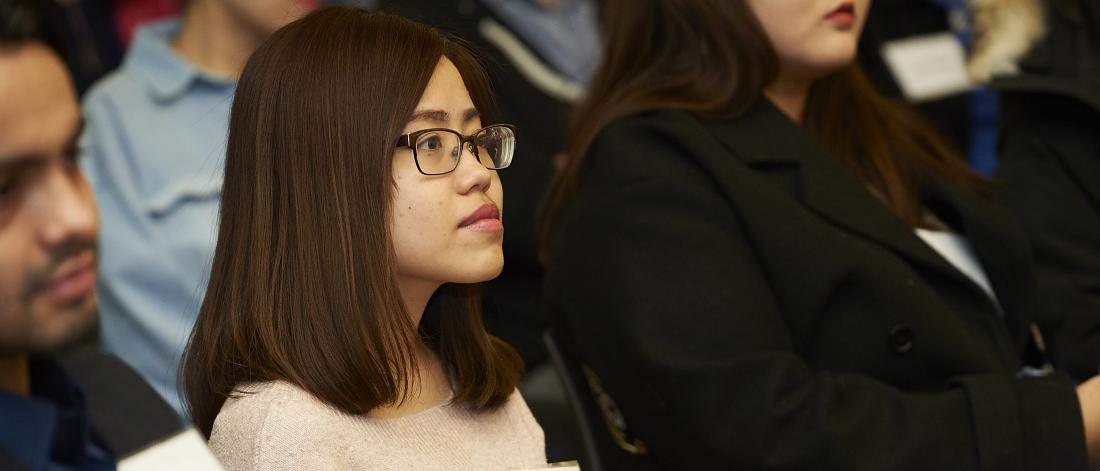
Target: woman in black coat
741,251
1050,169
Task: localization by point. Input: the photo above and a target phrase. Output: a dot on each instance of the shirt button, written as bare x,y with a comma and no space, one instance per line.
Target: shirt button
901,339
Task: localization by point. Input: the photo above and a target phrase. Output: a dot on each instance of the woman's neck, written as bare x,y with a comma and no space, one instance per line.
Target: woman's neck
789,93
15,374
430,385
212,41
416,293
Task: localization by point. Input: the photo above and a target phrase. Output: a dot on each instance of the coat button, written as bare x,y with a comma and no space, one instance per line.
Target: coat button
901,339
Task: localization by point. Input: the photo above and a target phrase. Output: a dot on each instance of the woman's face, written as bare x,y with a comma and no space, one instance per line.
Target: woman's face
446,228
812,37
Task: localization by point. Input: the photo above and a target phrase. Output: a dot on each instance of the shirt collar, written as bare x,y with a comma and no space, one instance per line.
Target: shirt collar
168,74
50,425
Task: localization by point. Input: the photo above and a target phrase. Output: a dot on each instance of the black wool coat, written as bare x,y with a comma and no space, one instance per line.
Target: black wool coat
750,305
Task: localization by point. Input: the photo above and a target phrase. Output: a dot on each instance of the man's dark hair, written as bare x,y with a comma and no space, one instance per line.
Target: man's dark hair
23,21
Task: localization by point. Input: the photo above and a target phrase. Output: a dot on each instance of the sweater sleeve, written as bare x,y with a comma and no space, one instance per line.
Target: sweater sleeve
275,428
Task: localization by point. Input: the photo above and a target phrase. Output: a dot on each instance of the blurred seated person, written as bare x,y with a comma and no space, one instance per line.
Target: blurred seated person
1050,169
937,53
61,407
154,141
767,265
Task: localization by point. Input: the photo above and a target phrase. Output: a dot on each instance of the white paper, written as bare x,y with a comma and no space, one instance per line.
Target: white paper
184,451
928,67
558,466
555,468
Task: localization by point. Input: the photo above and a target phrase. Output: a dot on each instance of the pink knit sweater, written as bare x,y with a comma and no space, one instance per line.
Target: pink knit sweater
276,425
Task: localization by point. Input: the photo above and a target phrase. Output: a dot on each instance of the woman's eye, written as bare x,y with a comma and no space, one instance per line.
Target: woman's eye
429,143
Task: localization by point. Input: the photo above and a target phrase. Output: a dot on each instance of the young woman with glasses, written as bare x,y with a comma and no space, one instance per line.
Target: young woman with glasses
360,207
769,266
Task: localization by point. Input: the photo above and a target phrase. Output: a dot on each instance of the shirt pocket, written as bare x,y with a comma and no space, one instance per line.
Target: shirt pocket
162,202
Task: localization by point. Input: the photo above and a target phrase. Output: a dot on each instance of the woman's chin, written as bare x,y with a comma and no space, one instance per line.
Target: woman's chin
482,274
481,269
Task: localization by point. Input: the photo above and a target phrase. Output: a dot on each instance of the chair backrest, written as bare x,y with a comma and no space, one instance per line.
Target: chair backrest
606,448
580,401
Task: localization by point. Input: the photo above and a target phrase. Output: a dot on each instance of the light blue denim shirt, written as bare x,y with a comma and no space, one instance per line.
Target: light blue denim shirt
154,153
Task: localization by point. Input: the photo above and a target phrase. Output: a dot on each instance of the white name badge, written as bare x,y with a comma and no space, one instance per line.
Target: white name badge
928,67
183,451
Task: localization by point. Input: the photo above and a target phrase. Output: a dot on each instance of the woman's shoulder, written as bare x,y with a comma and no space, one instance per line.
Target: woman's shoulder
521,417
647,124
271,425
512,419
509,434
255,403
645,145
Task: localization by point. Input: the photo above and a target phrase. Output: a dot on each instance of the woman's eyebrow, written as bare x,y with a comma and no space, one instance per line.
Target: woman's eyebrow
441,116
437,116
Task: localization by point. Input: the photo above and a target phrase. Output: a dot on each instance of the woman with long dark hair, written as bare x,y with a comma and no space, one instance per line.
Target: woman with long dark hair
766,265
360,207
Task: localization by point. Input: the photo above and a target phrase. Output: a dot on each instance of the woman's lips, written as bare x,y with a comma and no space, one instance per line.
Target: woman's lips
485,219
843,16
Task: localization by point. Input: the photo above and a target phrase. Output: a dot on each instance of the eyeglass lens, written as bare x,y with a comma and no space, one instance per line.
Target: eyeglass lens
439,151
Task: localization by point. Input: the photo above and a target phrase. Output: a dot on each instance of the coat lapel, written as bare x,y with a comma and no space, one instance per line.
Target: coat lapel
996,248
764,137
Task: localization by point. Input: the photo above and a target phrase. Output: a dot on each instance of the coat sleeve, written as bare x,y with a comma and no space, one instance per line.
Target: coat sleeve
657,284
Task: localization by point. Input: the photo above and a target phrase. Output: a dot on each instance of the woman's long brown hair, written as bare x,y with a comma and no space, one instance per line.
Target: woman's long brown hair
302,287
713,59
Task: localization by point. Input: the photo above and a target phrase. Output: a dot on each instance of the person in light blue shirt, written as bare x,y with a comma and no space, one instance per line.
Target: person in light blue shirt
566,33
154,145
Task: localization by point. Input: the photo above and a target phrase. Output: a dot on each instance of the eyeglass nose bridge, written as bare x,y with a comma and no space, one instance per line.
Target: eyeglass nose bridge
468,143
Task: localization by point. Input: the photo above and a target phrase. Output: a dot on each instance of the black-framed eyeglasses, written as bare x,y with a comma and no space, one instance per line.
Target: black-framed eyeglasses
438,150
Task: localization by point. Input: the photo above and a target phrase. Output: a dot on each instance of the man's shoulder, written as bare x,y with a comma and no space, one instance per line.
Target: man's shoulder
125,412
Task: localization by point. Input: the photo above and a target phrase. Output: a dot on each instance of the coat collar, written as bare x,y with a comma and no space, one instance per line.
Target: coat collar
764,138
